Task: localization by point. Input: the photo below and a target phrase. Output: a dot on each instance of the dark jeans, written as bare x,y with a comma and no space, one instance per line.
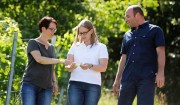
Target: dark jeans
80,93
33,95
144,89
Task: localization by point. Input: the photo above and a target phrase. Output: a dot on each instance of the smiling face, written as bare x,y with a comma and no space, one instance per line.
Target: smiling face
47,26
130,18
50,30
83,35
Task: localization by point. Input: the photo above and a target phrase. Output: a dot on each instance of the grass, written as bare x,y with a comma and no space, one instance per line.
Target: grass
108,98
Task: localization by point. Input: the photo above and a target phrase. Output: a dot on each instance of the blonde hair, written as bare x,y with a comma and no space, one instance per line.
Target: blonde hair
86,24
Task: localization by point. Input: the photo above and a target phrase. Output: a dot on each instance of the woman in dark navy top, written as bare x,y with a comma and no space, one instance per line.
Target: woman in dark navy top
142,61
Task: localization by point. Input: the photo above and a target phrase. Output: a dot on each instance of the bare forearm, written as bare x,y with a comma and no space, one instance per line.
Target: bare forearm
103,62
45,60
160,79
161,62
99,68
120,71
120,68
54,76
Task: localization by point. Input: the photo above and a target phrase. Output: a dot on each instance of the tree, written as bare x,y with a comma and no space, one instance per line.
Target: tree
108,18
7,28
167,17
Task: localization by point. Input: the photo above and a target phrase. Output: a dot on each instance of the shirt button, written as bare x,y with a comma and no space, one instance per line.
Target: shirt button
135,37
134,45
133,61
133,53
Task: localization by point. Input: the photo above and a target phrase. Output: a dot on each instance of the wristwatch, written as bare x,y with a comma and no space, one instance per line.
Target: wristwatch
91,65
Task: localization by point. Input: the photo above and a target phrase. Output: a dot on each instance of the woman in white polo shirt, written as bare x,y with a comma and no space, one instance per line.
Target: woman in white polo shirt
89,58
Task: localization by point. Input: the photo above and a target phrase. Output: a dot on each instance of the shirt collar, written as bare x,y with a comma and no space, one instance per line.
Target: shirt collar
144,24
83,44
141,26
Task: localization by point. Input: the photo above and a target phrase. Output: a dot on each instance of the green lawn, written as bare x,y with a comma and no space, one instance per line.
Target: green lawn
108,98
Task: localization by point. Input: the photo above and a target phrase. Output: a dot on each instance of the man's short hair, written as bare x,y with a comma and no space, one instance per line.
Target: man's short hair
137,9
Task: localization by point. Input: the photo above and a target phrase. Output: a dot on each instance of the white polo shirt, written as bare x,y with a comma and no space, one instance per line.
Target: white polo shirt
87,54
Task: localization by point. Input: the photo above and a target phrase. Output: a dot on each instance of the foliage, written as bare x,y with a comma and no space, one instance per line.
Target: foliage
28,13
108,18
7,29
167,18
62,46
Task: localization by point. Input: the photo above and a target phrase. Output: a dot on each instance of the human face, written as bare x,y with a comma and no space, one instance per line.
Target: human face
130,18
84,34
51,29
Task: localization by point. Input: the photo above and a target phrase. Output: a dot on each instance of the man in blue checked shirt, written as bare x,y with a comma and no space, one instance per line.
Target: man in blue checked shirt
141,66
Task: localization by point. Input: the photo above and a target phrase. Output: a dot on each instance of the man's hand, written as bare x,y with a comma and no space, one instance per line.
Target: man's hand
160,79
116,86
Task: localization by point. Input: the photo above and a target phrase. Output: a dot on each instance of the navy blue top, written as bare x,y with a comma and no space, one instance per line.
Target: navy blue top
140,47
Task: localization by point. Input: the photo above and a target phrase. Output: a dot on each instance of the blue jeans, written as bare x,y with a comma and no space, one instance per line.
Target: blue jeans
34,95
80,93
144,89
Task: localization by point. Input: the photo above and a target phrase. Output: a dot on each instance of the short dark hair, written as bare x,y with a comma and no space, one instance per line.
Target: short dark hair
137,9
45,21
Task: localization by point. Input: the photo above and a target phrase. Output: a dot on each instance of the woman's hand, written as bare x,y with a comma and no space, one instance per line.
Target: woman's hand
71,66
67,62
55,88
86,66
